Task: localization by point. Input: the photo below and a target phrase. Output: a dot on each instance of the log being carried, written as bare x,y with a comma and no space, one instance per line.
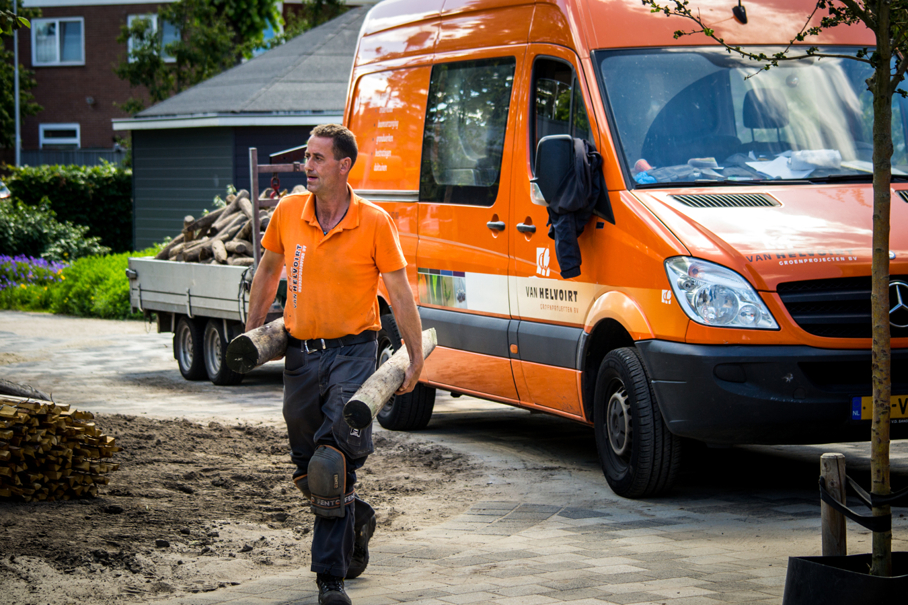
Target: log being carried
256,347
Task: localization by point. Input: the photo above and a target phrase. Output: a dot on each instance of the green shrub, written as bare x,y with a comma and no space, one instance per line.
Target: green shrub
99,197
96,286
35,231
92,286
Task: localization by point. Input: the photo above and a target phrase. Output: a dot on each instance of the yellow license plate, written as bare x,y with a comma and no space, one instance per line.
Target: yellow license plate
862,407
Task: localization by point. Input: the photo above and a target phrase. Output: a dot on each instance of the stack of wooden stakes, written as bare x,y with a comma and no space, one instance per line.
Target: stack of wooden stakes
50,452
222,237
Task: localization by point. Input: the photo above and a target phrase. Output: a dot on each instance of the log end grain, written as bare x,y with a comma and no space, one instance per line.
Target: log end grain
357,414
242,354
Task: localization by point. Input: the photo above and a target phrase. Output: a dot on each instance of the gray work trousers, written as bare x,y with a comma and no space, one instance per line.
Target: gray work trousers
316,387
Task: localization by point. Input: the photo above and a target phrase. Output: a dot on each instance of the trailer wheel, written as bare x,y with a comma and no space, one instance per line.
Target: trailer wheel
410,412
187,349
216,354
639,456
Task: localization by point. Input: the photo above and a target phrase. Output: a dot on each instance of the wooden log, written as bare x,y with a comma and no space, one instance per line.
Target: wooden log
226,215
21,390
165,251
241,261
176,251
188,220
250,350
832,522
197,253
238,246
378,388
202,224
245,233
242,193
219,252
245,207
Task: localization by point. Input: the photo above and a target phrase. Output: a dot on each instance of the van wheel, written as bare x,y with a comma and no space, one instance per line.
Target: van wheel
410,412
187,349
639,456
215,347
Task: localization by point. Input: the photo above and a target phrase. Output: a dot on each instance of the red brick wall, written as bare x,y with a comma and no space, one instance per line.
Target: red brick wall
62,90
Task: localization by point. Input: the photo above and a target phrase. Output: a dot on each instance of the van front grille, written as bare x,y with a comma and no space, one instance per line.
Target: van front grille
727,200
834,308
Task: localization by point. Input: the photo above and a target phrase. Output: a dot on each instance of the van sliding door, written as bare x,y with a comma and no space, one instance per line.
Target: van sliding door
462,253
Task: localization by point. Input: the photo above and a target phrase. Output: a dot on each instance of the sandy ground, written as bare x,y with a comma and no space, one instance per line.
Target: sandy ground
206,470
196,504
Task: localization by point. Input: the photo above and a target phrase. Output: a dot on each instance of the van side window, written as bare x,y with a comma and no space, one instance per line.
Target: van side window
558,103
466,120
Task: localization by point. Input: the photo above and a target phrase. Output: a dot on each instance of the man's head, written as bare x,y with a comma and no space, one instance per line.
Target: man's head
330,155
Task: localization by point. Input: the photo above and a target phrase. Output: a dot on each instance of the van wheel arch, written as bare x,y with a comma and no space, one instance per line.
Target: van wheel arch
606,336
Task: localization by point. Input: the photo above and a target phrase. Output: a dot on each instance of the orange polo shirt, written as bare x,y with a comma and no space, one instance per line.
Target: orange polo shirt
332,280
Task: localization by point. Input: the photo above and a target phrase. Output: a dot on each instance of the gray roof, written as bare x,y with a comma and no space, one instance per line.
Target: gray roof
306,75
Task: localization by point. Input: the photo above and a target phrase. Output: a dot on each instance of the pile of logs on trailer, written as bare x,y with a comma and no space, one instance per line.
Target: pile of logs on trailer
50,452
222,237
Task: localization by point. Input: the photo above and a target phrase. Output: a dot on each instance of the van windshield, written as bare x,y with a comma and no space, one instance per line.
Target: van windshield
698,115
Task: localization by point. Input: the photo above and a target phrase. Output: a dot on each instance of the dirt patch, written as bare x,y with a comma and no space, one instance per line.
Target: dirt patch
195,507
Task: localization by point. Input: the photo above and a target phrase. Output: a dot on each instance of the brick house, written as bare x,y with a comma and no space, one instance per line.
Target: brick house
73,50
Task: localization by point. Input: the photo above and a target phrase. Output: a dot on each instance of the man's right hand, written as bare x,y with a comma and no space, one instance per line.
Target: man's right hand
264,288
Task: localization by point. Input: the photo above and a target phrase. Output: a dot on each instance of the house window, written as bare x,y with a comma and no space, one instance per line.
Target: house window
58,41
59,136
165,35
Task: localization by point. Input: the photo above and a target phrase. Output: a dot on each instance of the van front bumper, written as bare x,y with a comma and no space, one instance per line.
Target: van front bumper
765,394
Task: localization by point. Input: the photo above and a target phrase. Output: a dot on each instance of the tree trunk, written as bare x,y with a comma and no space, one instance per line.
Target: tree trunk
880,86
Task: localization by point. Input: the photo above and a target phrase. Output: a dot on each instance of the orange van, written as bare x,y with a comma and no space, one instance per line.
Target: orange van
723,292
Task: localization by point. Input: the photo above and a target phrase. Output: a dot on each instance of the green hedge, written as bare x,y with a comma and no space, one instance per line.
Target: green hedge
35,231
99,197
93,286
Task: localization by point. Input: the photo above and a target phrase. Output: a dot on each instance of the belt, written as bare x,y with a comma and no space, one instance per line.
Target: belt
320,344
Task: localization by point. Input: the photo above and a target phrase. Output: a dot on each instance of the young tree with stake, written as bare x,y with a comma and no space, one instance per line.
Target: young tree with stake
888,20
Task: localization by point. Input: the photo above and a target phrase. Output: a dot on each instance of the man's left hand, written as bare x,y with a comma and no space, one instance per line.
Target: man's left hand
410,380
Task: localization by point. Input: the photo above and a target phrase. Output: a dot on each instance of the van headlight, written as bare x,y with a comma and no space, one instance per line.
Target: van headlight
712,295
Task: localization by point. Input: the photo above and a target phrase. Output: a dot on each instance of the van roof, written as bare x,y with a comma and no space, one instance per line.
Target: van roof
602,23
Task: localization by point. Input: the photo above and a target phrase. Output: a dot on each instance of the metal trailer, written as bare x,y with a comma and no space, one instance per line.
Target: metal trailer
205,306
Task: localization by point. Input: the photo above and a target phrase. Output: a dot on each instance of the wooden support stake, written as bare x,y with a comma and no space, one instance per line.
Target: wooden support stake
378,388
256,347
832,468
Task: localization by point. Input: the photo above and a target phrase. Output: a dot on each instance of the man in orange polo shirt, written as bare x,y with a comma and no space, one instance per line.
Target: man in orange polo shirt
335,246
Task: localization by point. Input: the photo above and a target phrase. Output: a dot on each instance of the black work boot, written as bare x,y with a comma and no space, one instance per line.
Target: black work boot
331,590
360,559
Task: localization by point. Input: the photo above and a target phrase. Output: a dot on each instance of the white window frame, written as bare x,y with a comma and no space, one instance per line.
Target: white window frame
57,20
153,17
44,140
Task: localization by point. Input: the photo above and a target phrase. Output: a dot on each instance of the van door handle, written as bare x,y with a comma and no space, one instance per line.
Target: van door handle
496,225
524,228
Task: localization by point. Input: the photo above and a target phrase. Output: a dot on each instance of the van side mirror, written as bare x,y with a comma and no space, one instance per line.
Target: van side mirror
555,164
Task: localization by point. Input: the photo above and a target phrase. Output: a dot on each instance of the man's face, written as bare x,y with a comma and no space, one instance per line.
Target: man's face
323,172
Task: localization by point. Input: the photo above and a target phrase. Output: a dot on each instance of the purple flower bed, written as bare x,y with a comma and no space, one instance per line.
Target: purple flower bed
21,270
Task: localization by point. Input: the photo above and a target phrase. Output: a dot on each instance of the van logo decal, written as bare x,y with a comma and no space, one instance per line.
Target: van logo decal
542,261
667,297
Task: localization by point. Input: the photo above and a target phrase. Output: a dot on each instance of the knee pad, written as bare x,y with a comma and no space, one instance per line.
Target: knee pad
302,484
327,479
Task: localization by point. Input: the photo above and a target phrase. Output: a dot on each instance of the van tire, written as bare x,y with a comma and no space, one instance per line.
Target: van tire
410,412
215,343
639,456
187,349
